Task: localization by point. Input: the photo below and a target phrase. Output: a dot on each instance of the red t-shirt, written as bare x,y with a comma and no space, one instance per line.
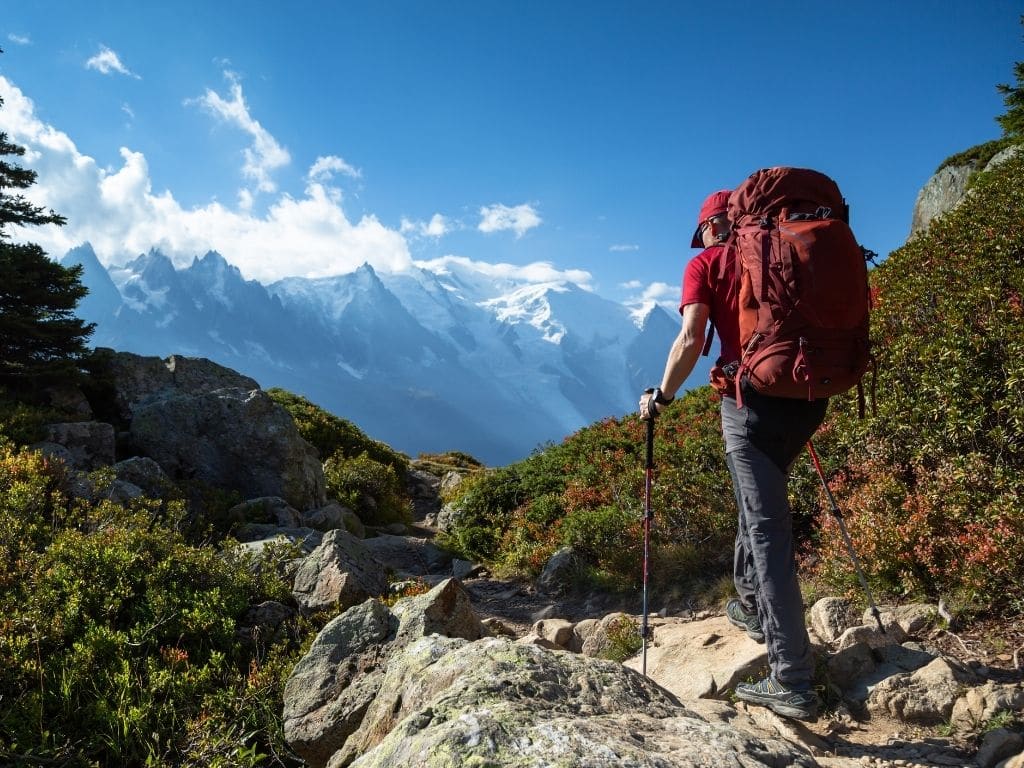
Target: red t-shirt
710,279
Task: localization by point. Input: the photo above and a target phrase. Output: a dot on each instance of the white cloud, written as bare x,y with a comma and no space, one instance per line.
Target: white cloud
648,295
438,226
326,166
537,272
624,248
118,211
128,111
107,61
498,217
19,39
264,155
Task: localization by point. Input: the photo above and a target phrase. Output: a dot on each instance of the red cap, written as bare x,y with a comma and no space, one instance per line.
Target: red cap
716,203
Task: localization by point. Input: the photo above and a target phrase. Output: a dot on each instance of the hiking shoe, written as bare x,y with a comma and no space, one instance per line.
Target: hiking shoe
788,702
738,616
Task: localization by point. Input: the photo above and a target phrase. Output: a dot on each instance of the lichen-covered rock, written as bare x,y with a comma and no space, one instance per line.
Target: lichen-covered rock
494,702
332,686
339,573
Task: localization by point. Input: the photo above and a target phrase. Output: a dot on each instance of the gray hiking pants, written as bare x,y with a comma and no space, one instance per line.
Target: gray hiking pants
761,442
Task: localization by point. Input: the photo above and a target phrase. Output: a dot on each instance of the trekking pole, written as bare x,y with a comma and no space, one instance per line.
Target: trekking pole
846,536
648,519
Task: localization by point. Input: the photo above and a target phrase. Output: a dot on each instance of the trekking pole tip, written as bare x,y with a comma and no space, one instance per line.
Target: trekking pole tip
878,619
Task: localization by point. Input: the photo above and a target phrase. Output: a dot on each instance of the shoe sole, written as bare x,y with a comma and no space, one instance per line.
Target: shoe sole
779,708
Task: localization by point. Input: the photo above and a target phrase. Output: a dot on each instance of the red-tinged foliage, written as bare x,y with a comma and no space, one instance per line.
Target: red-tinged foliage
931,484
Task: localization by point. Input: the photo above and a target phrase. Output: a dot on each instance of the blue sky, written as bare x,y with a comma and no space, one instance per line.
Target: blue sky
305,138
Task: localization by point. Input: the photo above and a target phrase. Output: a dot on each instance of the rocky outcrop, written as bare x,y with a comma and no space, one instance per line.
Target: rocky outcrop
940,194
233,439
184,422
494,702
408,687
948,187
139,380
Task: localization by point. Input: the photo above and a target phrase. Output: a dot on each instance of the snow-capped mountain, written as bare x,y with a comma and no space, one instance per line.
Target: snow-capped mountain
445,358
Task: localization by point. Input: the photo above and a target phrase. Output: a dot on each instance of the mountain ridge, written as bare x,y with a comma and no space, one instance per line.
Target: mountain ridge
427,359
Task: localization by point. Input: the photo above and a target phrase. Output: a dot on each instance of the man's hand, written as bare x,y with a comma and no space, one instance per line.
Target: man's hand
651,403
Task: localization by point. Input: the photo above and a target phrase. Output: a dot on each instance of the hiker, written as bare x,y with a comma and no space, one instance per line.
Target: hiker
763,435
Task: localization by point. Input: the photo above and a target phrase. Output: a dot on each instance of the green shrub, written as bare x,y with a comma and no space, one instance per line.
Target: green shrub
371,489
931,483
118,636
588,492
331,435
624,639
485,504
979,155
24,423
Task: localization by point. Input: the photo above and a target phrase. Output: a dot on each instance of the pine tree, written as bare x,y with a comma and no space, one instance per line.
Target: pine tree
41,339
1013,97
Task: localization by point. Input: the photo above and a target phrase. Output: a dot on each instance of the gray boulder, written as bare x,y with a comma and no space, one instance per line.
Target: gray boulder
89,444
830,617
444,610
340,573
266,509
924,697
557,575
334,515
494,702
332,686
69,399
233,439
146,475
142,380
980,704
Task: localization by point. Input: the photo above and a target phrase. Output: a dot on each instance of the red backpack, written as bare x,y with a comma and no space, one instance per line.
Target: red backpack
803,286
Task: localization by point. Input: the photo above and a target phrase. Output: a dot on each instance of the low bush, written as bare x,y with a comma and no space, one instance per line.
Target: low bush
332,435
118,636
372,490
931,483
